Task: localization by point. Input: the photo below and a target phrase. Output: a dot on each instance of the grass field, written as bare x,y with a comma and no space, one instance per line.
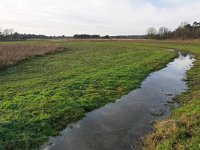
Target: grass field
40,96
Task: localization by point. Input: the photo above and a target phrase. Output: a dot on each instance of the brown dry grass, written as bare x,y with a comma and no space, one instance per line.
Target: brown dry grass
13,53
164,130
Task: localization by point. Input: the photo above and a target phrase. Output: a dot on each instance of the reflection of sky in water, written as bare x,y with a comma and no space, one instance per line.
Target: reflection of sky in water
169,78
177,68
181,64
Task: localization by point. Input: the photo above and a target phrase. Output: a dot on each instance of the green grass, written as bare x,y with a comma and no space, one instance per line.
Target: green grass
39,97
182,130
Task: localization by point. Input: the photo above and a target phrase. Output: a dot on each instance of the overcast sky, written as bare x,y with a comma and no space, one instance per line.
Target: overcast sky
113,17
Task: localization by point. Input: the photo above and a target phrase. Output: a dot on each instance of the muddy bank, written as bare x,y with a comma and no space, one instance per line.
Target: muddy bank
119,125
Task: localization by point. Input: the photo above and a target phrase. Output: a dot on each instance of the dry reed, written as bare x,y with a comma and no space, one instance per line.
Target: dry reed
13,53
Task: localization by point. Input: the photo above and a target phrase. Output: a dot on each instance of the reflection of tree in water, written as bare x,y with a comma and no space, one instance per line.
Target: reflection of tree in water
184,54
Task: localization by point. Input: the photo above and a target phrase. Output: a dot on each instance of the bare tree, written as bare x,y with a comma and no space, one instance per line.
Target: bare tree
7,32
151,32
0,30
183,24
11,31
163,32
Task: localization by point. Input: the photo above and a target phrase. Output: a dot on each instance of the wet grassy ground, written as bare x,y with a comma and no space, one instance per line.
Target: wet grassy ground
182,130
40,96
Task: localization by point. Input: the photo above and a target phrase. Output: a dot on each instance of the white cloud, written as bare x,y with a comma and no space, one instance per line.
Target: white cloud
112,17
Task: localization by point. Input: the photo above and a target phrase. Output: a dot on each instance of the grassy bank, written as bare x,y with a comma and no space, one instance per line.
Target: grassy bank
182,130
39,97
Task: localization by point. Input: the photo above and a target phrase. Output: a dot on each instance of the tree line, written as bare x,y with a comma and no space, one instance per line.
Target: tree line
11,35
184,31
86,36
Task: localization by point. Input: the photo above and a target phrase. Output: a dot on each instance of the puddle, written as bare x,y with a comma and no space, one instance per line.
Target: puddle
120,125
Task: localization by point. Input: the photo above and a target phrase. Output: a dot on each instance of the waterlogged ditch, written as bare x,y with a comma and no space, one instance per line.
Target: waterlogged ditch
120,125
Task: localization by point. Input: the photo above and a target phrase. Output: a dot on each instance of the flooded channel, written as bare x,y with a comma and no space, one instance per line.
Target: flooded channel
120,125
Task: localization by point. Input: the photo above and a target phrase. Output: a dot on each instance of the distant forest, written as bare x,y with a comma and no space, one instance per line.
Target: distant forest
87,36
11,35
184,31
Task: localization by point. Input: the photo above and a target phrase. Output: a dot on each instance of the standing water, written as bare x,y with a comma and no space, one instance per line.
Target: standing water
119,125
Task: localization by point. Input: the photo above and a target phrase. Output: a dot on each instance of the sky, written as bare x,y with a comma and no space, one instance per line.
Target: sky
112,17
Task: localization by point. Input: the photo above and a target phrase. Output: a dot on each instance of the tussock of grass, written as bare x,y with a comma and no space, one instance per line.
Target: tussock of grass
164,130
12,53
